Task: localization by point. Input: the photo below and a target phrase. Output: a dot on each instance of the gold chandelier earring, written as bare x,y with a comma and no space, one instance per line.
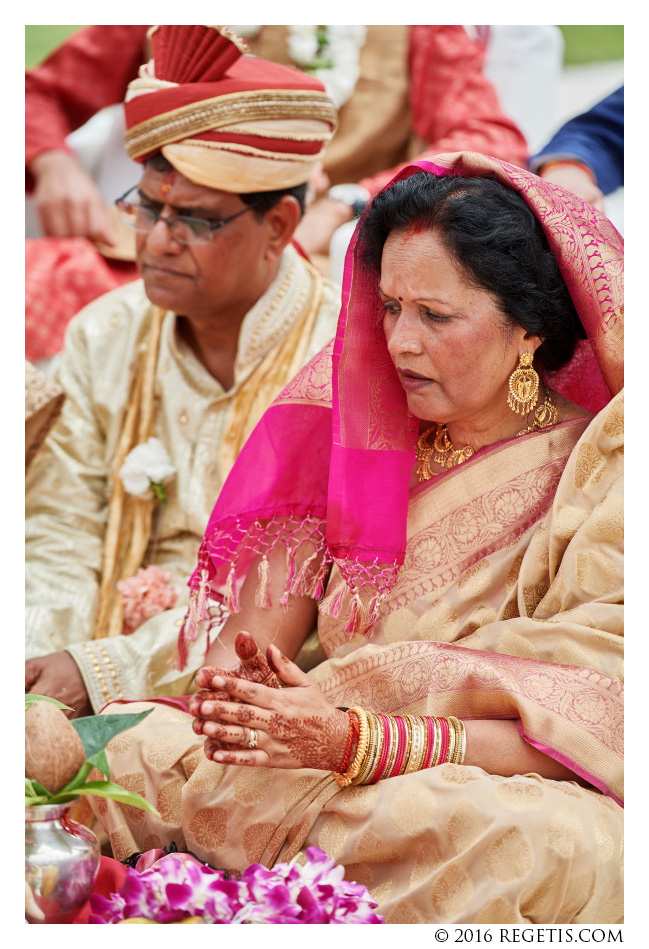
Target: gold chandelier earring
523,386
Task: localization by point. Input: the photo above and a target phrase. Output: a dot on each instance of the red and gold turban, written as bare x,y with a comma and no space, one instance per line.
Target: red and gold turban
223,119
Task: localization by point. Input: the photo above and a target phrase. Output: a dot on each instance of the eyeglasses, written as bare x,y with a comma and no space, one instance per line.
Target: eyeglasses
183,227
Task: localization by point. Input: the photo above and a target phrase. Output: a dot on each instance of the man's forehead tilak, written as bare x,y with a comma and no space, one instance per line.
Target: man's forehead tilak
168,181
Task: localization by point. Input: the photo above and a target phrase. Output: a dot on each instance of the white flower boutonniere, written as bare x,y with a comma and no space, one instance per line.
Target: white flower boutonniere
145,470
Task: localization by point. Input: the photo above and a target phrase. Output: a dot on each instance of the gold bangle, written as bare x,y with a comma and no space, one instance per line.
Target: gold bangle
452,739
363,737
437,737
380,740
370,755
461,741
406,758
418,744
456,748
374,753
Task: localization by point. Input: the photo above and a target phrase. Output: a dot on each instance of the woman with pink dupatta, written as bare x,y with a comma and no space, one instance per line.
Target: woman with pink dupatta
441,490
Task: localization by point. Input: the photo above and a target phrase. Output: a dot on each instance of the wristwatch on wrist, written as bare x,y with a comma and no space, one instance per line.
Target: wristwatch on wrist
355,196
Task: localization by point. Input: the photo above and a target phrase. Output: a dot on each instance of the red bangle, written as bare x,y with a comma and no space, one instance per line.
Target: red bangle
443,753
430,743
354,730
385,748
568,162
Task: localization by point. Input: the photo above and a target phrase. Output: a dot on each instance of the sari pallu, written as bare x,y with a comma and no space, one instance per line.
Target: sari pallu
526,626
364,447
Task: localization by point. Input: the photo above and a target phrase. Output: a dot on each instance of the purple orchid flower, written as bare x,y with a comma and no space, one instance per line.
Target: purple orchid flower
176,886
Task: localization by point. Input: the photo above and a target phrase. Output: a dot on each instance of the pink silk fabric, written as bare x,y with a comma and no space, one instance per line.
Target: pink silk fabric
330,460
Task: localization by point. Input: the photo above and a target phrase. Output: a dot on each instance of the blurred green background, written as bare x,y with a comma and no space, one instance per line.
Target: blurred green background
584,44
41,40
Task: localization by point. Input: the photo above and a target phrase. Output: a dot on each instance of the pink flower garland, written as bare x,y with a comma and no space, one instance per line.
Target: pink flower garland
145,594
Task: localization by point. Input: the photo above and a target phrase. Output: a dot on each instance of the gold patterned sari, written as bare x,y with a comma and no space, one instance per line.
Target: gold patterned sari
492,617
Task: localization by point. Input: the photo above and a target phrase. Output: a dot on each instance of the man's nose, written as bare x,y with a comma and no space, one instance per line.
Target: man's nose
160,240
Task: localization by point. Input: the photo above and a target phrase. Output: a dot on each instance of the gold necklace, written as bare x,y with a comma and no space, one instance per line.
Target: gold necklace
435,445
545,414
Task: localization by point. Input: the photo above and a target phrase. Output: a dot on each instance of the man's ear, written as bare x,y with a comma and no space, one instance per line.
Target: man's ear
281,221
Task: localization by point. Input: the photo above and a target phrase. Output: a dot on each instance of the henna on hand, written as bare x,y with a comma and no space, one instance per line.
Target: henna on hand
212,746
253,662
253,667
315,741
297,727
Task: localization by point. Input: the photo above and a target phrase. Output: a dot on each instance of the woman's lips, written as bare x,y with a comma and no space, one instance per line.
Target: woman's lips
412,380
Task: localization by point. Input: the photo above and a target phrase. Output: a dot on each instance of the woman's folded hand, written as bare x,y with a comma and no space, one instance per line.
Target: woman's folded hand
257,725
253,666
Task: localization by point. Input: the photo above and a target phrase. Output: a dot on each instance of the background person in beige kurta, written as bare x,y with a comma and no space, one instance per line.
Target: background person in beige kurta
226,314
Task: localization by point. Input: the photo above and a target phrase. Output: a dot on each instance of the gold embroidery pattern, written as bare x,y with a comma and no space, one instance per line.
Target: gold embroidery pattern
104,671
311,386
585,697
510,856
208,826
451,892
133,781
255,839
589,465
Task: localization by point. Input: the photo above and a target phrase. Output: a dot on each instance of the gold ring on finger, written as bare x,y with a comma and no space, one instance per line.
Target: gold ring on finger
252,741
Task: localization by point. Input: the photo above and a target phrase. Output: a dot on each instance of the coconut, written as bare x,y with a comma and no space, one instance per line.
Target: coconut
53,750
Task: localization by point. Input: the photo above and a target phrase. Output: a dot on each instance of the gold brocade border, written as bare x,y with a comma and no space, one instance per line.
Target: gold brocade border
222,111
494,469
573,710
312,386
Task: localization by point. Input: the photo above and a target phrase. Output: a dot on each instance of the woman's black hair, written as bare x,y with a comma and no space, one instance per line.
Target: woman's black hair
262,200
497,241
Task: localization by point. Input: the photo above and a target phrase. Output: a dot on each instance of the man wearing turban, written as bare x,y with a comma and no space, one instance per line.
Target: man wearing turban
166,377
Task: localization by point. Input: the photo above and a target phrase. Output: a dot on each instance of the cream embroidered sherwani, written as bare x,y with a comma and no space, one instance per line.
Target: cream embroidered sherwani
200,424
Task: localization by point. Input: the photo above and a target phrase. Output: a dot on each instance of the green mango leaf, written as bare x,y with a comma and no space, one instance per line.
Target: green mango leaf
109,790
32,699
34,789
35,800
96,731
79,777
39,789
100,761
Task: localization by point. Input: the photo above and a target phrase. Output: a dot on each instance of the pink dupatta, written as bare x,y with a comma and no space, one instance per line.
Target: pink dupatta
339,439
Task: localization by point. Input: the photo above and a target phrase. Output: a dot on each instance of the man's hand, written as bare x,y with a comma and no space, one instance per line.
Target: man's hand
318,184
322,218
575,178
58,676
67,199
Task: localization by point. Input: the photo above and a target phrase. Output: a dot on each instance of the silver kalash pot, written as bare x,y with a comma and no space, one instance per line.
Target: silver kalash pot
61,863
